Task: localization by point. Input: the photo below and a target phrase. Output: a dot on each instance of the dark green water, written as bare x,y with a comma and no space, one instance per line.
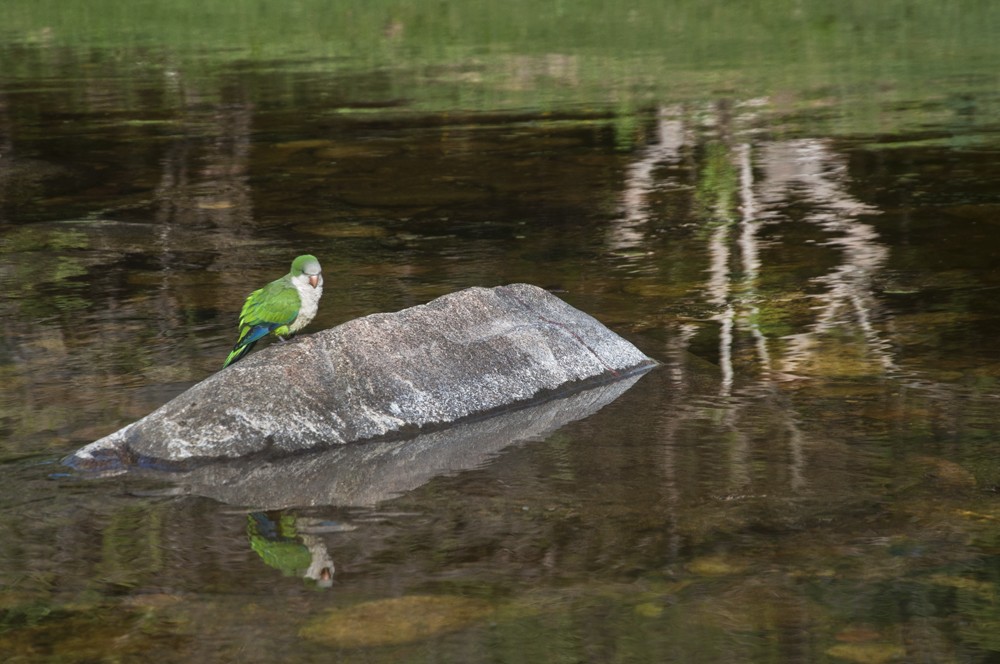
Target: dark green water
807,236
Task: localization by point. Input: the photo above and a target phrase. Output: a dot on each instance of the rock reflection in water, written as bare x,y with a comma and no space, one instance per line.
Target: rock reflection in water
365,474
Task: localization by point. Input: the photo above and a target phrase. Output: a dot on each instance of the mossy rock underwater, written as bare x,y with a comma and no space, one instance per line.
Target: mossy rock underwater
396,620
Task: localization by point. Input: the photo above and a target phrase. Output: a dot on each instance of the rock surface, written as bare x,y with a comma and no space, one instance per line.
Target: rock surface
468,354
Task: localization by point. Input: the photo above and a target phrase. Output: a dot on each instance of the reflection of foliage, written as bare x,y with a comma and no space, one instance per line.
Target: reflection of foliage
977,589
718,184
486,55
80,633
42,238
24,615
38,257
626,125
132,549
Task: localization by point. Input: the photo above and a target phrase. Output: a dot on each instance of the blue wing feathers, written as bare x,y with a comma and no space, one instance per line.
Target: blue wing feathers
256,333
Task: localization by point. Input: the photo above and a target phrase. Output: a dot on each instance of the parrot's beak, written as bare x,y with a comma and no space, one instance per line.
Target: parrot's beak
314,280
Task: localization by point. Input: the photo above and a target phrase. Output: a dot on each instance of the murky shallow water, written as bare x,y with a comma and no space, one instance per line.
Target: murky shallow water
810,476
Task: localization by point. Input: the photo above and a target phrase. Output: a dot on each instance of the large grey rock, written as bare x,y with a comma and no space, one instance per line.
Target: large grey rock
469,354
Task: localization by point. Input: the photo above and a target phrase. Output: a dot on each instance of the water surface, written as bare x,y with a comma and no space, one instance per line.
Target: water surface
810,250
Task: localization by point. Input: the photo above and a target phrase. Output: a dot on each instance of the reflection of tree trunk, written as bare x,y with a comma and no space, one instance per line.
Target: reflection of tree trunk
718,291
218,194
6,158
640,179
792,172
668,427
203,183
750,256
750,253
808,168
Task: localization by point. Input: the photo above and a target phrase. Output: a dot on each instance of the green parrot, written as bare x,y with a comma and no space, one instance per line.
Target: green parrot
282,308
